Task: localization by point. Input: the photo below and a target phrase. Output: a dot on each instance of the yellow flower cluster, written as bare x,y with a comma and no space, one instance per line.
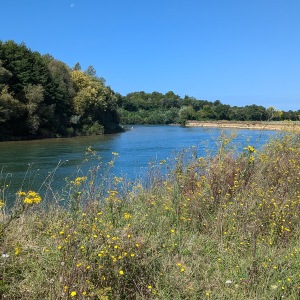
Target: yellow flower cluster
2,204
251,149
79,180
30,197
127,216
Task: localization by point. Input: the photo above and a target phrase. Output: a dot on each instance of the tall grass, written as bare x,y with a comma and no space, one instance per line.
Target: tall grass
222,227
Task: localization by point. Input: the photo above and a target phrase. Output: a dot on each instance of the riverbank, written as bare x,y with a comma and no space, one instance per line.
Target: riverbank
260,125
214,228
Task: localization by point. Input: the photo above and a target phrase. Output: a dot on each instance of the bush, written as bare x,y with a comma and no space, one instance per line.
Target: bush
95,129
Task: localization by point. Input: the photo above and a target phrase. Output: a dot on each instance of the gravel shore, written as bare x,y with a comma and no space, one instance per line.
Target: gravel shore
261,125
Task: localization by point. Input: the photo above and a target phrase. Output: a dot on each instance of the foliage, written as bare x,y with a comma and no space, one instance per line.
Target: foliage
45,95
51,99
216,227
147,108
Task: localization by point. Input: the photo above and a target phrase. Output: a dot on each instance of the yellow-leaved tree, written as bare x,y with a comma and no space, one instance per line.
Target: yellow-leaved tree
95,104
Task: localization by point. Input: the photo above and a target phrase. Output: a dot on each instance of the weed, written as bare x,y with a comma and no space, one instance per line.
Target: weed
222,227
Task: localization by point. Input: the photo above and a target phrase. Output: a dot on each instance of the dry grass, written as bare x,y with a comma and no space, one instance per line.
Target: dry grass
225,227
259,125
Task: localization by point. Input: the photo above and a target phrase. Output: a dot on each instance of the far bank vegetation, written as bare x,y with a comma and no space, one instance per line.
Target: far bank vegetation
41,96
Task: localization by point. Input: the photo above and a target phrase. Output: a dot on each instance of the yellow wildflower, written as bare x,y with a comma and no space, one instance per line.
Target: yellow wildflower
21,194
250,149
30,197
79,180
127,216
2,204
73,294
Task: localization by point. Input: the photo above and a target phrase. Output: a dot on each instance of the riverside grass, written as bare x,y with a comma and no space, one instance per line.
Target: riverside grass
221,227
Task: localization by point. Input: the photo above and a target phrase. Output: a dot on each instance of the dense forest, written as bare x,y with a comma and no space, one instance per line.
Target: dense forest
157,108
43,97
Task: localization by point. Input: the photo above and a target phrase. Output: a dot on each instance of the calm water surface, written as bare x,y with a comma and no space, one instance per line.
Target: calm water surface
26,164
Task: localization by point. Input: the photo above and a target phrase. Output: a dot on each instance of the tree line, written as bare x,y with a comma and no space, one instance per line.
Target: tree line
41,96
157,108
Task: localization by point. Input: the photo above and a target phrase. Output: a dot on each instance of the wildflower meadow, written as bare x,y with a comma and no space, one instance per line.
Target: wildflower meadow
225,226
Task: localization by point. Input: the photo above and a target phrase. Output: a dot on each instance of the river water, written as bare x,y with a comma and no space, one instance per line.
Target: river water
26,164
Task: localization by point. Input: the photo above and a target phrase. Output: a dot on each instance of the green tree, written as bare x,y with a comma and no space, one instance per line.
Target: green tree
10,108
63,89
273,113
221,111
77,67
11,111
186,113
94,102
35,97
254,112
236,113
4,75
206,113
90,71
29,69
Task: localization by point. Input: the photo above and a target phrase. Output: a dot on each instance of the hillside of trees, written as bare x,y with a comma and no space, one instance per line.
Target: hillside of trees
43,97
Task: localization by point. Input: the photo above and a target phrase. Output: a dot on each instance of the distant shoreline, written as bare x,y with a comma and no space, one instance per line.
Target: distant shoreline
260,125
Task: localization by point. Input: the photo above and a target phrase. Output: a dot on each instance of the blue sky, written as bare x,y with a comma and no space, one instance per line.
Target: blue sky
237,51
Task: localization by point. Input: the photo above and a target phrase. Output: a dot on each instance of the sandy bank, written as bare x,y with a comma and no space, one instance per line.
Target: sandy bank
261,125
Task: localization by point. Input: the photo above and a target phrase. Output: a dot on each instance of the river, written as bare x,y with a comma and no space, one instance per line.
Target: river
26,164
